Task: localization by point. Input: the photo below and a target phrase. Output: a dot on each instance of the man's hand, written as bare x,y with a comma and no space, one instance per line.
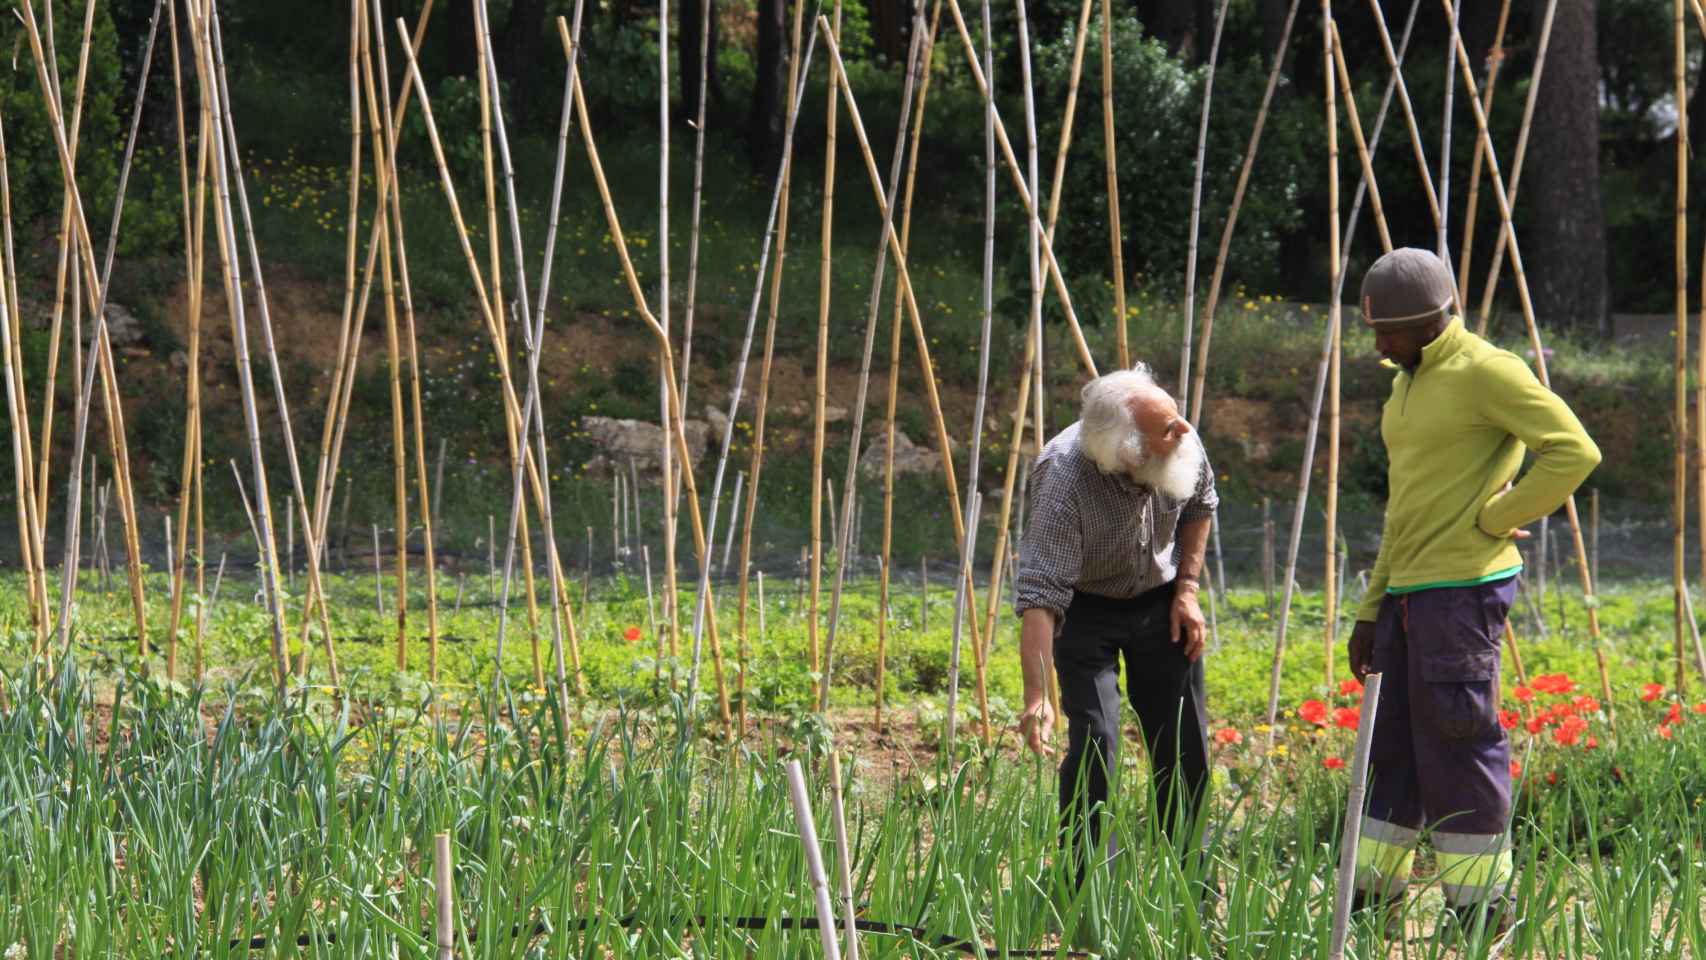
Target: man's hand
1037,726
1361,649
1185,619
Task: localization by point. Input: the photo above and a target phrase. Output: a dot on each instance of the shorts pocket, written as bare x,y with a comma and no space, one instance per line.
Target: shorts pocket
1461,692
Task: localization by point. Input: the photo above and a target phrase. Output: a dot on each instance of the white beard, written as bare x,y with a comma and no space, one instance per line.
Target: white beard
1176,474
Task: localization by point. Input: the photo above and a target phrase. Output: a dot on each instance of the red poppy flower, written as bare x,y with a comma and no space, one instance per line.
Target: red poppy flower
631,634
1350,688
1228,736
1552,778
1524,694
1554,683
1313,711
1516,770
1700,708
1592,743
1664,731
1569,733
1347,717
1510,719
1586,704
1675,714
1651,692
1537,723
1333,763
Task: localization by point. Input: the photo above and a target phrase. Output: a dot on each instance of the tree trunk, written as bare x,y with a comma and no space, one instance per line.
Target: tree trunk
688,57
767,113
1565,244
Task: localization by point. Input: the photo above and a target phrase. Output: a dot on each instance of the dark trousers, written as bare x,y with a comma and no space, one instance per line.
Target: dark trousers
1166,691
1439,758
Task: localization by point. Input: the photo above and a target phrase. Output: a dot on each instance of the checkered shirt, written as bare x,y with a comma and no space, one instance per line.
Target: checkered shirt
1100,533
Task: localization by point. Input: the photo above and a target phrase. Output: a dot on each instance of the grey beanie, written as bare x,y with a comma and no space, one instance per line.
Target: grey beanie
1409,287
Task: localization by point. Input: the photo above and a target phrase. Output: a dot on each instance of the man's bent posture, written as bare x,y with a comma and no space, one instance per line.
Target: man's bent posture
1109,566
1460,415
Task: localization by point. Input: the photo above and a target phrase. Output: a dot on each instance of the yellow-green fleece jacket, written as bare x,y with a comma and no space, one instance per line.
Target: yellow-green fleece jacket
1455,430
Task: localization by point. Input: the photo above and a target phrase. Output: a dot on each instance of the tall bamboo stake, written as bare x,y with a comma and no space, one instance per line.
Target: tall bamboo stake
1495,60
1395,64
1189,315
1116,238
1508,231
698,208
1213,298
904,282
820,689
225,227
847,532
30,547
814,860
779,204
1329,37
535,347
1025,195
700,543
1679,424
264,314
1455,14
564,610
1516,162
428,499
883,575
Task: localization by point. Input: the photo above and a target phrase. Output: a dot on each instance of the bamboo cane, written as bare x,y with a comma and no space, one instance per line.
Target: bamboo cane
1116,239
225,167
1517,162
729,541
30,545
820,688
1025,195
844,854
846,535
814,860
378,126
779,220
968,556
1679,425
693,228
904,283
1495,60
102,363
1337,64
894,368
1395,64
1329,39
378,574
444,895
559,593
1455,15
264,313
671,490
1353,818
512,406
1189,315
700,543
1508,231
532,410
428,503
1212,300
65,241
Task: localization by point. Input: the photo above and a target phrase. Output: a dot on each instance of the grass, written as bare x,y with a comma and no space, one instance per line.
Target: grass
145,822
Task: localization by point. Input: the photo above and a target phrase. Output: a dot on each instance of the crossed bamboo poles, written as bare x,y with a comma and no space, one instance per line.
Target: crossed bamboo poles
220,152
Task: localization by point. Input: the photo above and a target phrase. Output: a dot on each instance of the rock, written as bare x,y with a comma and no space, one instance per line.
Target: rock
122,326
834,414
619,441
719,422
908,457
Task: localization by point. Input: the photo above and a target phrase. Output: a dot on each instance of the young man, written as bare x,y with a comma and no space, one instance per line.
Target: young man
1461,414
1109,567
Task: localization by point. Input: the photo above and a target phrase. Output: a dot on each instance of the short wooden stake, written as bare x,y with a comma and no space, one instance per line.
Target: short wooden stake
445,896
378,590
1353,818
814,860
844,858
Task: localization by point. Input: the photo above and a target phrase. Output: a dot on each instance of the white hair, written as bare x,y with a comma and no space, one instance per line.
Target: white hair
1107,431
1108,434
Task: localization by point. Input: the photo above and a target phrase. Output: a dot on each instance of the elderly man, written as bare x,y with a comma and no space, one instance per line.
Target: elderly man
1109,566
1460,415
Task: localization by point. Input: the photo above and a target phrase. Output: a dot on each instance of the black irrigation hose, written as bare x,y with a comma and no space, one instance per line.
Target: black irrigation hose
919,934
